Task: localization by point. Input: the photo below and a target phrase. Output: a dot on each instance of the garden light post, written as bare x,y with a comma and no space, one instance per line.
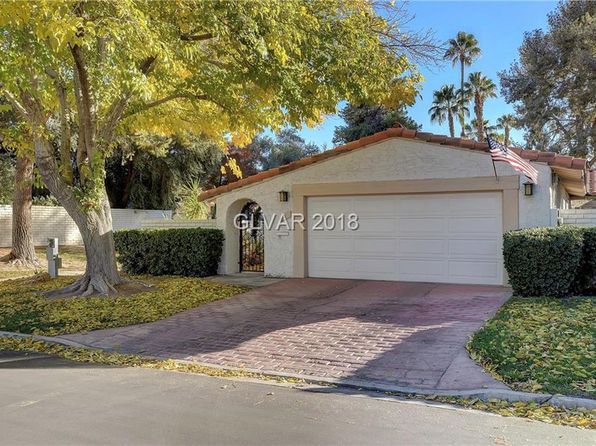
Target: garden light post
54,261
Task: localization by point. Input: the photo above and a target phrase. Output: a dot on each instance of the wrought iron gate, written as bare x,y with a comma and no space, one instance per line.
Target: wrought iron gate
252,241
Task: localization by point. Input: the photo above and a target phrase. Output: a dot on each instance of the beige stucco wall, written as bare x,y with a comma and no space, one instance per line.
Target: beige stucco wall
393,159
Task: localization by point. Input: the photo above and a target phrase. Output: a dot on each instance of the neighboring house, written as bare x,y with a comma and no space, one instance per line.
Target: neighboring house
429,209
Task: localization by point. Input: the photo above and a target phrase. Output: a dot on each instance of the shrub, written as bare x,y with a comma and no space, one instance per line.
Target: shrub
543,261
587,271
185,252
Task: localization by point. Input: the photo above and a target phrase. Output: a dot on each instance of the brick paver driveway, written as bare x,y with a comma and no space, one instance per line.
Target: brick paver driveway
409,334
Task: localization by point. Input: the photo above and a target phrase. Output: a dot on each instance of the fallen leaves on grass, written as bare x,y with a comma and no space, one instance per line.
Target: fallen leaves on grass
25,309
541,345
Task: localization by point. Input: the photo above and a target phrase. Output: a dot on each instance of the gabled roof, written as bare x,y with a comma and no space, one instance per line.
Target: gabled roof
569,168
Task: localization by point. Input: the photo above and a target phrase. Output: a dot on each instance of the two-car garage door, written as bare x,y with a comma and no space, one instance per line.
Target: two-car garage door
452,238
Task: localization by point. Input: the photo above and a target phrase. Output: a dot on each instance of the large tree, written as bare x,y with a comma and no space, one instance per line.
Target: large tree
446,105
480,88
366,119
462,50
553,84
225,68
287,147
146,171
264,152
15,138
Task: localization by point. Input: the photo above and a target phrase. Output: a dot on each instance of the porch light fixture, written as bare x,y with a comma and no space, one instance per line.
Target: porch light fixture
283,195
528,188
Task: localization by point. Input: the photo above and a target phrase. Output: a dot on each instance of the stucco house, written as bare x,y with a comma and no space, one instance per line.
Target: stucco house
429,208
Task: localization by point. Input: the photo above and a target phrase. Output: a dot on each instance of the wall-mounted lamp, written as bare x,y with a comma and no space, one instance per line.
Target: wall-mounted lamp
283,195
528,188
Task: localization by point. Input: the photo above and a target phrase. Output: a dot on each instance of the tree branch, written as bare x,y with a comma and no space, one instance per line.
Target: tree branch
165,99
65,148
116,110
16,105
86,118
187,37
81,154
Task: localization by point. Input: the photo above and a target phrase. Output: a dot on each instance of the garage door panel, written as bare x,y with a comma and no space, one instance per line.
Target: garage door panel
422,268
453,238
377,266
428,225
475,247
322,266
377,246
423,247
422,205
376,225
476,225
476,204
374,206
334,245
330,205
473,269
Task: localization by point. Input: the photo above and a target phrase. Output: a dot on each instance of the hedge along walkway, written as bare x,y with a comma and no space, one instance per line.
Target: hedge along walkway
24,308
541,344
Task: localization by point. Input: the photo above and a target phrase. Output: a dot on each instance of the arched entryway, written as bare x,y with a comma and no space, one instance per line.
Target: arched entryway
251,238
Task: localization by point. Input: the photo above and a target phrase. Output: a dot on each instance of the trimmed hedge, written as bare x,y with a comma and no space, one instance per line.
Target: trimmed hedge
587,271
550,261
184,252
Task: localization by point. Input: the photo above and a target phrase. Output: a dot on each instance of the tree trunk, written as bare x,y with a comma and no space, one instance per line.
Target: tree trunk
95,226
462,118
23,250
506,141
451,125
479,111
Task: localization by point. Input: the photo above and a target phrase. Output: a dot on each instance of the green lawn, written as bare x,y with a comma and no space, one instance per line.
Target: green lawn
73,262
23,307
542,345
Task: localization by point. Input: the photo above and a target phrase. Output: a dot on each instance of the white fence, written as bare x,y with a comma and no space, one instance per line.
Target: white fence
53,221
580,217
169,224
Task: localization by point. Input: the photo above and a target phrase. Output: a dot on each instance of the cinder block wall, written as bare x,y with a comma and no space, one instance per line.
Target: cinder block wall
54,221
174,224
580,217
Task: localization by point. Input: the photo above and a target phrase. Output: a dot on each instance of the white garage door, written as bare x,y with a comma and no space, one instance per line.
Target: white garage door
452,238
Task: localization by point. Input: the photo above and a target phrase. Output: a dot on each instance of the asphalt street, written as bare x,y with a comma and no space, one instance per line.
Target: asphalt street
47,400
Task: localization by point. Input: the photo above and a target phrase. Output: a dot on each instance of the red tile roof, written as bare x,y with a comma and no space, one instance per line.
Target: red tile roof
552,159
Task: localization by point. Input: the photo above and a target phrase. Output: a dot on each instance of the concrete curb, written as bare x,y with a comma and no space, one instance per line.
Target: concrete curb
512,396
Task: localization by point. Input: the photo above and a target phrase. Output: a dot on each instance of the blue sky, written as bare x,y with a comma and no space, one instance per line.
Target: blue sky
499,28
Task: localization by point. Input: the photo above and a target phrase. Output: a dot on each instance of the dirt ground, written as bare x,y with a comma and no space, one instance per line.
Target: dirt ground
73,263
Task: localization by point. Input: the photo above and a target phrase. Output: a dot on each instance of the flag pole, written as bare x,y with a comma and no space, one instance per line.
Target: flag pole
491,157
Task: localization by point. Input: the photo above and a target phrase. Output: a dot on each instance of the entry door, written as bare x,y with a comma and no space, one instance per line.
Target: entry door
252,240
450,238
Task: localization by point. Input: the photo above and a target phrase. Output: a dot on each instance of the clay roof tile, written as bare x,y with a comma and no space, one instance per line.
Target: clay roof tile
399,132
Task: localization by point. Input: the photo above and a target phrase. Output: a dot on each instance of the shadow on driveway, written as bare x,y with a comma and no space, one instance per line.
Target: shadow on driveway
395,333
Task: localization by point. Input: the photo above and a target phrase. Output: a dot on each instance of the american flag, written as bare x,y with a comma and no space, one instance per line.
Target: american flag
501,153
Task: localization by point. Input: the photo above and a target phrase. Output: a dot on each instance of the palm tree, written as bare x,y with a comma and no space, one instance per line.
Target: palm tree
506,123
463,50
480,88
445,106
472,129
